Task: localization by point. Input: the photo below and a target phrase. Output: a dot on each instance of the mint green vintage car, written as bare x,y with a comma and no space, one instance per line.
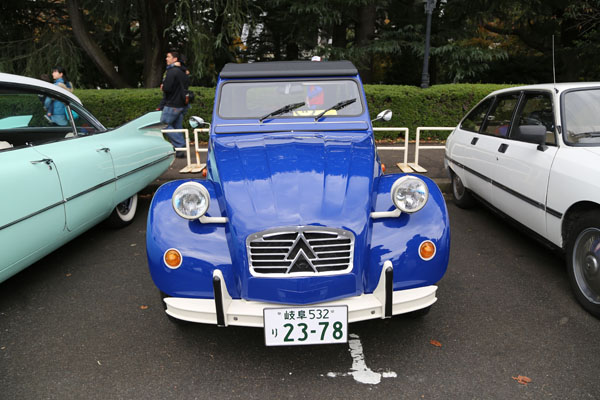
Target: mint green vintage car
60,177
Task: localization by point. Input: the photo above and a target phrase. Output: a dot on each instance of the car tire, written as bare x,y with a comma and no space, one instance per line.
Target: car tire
583,260
123,213
460,194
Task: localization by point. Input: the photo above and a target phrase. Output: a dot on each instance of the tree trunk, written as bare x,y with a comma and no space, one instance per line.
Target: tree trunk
153,22
91,48
339,36
365,30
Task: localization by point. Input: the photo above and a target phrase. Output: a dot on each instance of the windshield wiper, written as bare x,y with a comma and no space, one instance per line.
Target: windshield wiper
585,134
282,110
336,107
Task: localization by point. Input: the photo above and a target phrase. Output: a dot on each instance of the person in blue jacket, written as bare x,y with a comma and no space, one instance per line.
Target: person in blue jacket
56,110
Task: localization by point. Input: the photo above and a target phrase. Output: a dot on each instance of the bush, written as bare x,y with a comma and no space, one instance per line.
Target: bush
440,105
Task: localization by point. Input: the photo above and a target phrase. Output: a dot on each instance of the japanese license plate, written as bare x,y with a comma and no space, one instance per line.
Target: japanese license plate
305,325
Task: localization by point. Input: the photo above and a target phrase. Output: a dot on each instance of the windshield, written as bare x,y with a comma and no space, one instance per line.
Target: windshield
249,100
582,117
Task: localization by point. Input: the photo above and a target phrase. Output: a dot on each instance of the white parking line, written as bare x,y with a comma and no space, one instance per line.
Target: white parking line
359,370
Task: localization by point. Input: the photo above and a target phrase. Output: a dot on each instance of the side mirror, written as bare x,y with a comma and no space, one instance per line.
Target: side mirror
196,121
535,134
385,115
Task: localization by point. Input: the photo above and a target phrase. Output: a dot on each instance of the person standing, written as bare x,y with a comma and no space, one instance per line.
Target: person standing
174,88
56,110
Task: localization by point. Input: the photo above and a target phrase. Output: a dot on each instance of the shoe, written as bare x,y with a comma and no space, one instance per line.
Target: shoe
180,154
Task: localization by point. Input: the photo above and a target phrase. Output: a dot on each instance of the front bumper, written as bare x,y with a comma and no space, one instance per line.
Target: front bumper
224,311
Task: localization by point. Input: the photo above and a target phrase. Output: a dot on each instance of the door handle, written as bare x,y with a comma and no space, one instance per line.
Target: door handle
502,147
104,149
47,161
474,141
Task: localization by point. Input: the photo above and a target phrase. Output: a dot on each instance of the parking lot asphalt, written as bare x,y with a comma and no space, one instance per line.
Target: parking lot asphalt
87,322
430,159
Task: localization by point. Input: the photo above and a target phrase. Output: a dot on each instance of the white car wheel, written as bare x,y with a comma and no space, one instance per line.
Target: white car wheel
461,195
124,212
583,259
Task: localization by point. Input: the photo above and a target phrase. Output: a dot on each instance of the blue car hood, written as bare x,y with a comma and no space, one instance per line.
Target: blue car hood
295,179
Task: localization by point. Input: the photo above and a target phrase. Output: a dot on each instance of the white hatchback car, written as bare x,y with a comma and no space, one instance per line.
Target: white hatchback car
533,153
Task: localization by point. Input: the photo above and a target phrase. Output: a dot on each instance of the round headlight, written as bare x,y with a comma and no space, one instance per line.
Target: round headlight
191,200
409,194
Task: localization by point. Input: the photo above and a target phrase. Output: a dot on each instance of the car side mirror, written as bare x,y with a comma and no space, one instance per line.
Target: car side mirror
385,115
533,134
196,122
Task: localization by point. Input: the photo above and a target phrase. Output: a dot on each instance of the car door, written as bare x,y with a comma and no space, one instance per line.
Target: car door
523,168
463,152
32,212
86,172
479,143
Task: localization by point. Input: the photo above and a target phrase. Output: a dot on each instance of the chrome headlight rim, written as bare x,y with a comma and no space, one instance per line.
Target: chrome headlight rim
399,184
201,191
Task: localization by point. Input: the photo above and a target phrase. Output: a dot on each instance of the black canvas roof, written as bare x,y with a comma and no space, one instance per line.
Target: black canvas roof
275,69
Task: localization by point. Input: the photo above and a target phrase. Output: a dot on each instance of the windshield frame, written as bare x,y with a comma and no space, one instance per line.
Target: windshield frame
564,119
223,83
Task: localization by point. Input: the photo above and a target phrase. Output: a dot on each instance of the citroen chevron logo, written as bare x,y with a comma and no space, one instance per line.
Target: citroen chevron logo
300,256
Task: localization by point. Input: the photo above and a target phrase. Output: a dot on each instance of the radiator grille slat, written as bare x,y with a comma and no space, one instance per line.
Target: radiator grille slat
300,251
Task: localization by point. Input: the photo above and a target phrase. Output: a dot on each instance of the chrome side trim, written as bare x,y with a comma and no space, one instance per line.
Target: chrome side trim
508,190
89,190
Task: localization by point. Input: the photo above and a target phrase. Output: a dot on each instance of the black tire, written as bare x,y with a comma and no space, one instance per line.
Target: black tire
583,260
123,213
460,194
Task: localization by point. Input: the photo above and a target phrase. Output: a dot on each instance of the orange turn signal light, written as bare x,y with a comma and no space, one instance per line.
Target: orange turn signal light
172,258
427,250
204,173
383,167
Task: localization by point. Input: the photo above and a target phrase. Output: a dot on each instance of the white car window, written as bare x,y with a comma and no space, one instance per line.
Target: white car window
498,120
582,117
473,121
536,109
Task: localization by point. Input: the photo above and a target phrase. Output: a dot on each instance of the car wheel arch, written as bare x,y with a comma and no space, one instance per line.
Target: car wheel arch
572,214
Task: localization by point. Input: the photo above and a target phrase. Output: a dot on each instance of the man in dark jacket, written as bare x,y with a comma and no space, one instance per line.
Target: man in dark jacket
174,87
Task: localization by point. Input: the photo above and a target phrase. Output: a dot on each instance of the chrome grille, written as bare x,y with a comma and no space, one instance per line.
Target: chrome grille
300,251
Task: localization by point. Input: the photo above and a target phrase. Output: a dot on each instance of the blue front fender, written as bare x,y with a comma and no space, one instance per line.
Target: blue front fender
205,247
398,239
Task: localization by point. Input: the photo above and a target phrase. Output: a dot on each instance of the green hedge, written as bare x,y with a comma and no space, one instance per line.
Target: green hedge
441,105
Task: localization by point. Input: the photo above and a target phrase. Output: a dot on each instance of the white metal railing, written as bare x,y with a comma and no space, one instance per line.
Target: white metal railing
190,167
405,166
418,146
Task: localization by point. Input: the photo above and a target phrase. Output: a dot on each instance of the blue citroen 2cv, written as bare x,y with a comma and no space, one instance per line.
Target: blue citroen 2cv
296,228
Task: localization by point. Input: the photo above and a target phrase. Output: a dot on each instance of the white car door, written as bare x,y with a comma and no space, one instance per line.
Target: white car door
465,153
520,180
476,152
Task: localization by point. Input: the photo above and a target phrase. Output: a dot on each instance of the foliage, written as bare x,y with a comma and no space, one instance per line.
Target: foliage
471,40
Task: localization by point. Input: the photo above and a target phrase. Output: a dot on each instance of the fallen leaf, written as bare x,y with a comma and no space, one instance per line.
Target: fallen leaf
133,244
435,343
143,307
68,274
523,380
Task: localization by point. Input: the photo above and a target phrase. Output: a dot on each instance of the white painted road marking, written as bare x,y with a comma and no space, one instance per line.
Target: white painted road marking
359,370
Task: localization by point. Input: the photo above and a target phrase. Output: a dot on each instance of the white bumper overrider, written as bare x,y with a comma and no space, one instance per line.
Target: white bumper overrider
223,310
